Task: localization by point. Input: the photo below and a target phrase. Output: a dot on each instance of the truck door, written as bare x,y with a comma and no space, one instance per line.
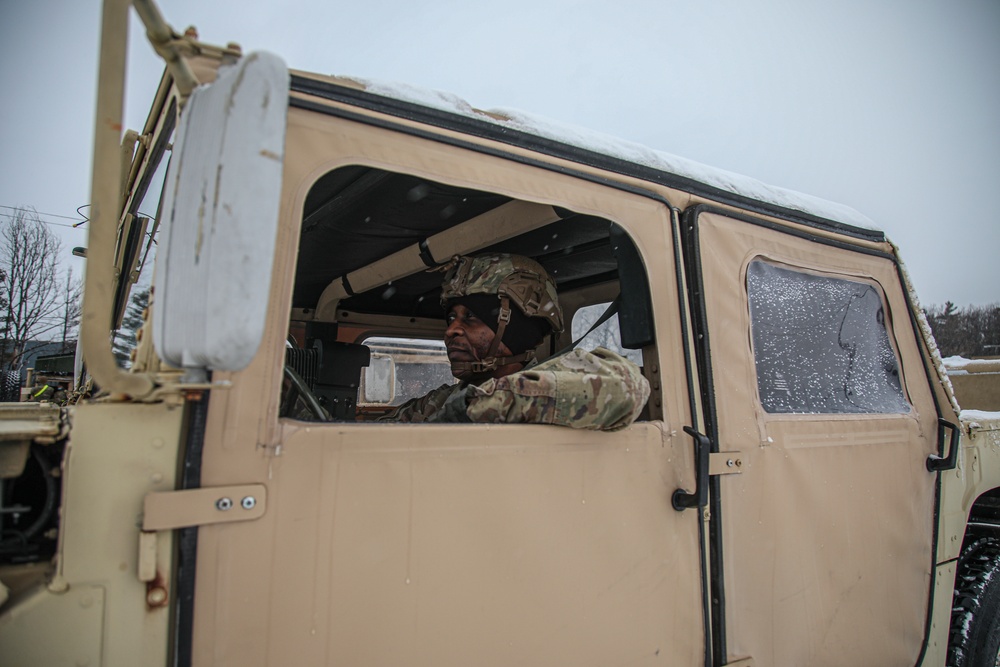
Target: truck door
419,544
814,388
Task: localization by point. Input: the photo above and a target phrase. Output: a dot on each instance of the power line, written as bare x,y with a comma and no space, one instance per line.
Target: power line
79,221
51,215
44,222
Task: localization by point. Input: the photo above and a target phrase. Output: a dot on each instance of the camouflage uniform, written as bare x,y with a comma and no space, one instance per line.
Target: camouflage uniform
597,390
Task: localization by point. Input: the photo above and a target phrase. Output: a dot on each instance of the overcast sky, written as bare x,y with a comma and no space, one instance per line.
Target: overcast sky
889,106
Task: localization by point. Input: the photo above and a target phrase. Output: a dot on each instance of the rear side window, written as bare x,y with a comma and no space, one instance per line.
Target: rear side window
820,344
607,335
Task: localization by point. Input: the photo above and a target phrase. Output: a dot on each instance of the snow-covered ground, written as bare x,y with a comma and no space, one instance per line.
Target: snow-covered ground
960,365
979,415
956,365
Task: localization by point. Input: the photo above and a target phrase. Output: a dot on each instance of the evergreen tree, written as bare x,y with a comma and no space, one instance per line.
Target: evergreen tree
126,338
969,332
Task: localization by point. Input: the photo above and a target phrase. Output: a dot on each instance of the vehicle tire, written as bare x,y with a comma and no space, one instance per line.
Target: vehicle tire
10,386
975,618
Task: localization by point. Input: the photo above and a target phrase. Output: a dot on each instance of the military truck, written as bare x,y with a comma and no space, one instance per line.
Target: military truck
800,489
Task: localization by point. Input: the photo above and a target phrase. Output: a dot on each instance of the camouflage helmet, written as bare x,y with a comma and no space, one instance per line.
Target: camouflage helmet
520,279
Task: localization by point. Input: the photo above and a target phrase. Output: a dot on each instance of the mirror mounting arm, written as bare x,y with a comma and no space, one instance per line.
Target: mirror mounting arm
163,40
105,199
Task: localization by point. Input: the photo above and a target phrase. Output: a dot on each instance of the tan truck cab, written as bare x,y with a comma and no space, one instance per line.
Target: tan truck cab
800,489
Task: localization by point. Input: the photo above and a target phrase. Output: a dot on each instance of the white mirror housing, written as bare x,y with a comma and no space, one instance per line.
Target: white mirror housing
220,218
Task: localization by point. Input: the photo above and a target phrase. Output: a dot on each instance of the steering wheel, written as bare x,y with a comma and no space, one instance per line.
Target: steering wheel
296,389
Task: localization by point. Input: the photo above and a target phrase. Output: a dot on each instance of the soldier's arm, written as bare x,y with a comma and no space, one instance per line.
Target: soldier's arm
597,390
423,408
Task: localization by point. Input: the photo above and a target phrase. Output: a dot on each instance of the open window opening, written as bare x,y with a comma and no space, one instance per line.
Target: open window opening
367,321
607,335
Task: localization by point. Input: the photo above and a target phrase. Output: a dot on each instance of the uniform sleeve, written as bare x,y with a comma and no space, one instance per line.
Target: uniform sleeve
597,390
425,408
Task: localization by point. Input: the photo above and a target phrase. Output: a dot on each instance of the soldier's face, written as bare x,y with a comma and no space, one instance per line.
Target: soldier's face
468,338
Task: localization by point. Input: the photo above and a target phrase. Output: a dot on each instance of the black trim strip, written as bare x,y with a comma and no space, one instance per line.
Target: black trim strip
425,255
335,112
697,210
676,237
347,285
492,131
617,185
699,320
187,538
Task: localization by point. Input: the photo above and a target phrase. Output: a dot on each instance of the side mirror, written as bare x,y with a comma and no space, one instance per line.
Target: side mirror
220,218
378,385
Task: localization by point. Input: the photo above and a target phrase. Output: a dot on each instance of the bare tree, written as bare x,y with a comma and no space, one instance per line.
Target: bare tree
71,305
30,291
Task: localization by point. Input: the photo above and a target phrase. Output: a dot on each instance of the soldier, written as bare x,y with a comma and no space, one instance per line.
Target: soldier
500,307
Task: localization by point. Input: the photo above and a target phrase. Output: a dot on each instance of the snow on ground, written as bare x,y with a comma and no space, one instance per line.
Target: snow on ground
625,150
960,365
979,416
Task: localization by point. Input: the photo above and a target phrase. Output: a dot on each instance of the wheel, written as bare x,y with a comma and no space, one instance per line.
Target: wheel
10,386
37,492
975,616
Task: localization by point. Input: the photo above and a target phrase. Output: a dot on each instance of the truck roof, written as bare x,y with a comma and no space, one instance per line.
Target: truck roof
584,146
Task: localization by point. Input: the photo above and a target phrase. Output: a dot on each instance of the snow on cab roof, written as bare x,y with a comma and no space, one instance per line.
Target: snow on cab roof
614,147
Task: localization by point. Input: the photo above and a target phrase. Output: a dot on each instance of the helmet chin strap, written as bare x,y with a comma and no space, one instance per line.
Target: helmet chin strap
492,362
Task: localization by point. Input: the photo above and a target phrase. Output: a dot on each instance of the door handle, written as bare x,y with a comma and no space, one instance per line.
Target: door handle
937,463
681,499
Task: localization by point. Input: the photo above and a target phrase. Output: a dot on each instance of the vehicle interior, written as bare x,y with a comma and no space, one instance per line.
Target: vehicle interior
371,247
